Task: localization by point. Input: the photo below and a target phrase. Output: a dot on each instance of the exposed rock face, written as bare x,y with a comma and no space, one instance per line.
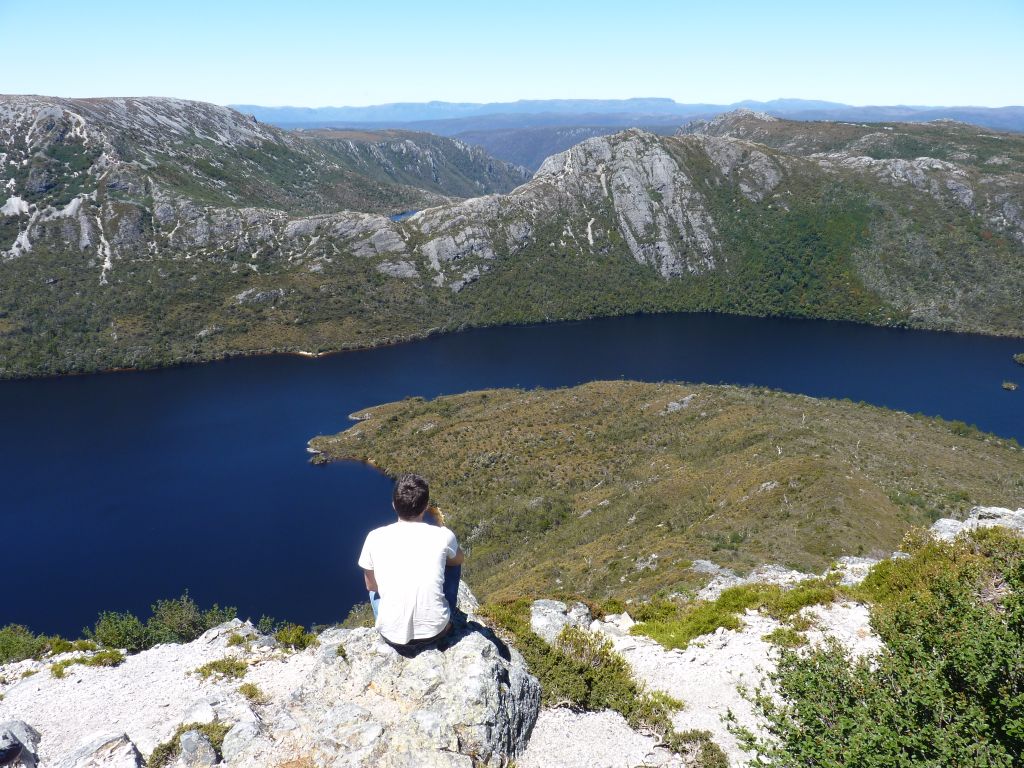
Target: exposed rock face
352,700
659,211
113,751
253,296
549,617
19,744
196,750
948,529
724,578
471,701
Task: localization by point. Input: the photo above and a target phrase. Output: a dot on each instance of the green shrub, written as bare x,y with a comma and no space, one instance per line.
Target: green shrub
361,615
613,605
60,645
228,667
961,428
18,643
178,620
1019,358
252,692
295,637
946,689
167,752
655,609
785,637
105,658
182,621
581,669
121,630
236,639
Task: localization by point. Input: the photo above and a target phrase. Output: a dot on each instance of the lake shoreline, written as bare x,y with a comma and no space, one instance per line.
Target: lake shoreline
447,331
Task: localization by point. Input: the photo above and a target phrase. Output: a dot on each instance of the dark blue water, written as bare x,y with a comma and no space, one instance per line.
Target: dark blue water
118,489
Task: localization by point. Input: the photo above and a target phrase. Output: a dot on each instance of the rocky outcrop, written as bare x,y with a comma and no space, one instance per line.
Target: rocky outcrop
549,617
352,700
113,751
19,744
948,529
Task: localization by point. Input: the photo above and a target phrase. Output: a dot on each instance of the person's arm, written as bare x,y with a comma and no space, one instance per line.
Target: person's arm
371,581
459,557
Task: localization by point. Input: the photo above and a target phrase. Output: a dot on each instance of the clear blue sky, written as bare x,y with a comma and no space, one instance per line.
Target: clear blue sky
320,53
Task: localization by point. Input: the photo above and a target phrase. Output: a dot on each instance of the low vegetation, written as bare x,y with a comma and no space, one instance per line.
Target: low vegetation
785,637
167,752
104,658
613,489
294,637
1019,358
581,670
675,624
947,688
173,621
226,667
360,615
178,620
17,642
252,692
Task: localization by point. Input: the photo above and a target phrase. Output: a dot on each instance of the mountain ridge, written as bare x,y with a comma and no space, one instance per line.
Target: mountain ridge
240,247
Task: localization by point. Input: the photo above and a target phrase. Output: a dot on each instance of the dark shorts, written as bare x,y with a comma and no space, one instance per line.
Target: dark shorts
419,644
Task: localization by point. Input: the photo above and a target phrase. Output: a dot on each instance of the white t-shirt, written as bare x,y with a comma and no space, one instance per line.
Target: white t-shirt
408,561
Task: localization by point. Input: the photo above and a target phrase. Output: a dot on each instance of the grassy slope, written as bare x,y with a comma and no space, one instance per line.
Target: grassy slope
573,489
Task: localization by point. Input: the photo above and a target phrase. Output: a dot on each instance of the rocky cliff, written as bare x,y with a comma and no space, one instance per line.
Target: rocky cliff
122,210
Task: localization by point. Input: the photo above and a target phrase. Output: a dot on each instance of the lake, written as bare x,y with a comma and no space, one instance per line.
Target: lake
121,488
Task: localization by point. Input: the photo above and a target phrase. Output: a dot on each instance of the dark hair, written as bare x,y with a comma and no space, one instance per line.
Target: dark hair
411,496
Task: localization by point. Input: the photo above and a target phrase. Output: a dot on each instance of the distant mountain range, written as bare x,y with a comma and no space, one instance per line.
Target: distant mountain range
448,118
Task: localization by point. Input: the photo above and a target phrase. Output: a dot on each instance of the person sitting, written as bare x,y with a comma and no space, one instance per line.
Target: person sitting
412,570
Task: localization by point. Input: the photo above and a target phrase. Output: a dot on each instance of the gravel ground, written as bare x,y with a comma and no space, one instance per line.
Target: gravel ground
566,739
